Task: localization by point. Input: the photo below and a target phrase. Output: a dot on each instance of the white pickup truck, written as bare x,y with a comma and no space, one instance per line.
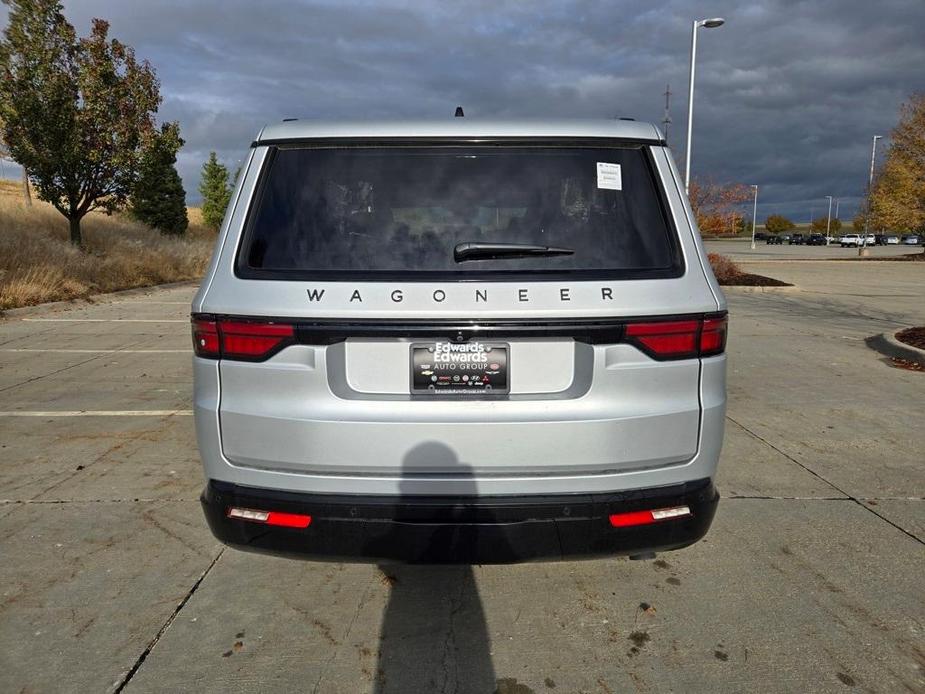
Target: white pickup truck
855,240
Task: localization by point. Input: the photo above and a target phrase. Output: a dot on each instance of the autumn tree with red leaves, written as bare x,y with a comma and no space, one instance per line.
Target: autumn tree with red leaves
717,205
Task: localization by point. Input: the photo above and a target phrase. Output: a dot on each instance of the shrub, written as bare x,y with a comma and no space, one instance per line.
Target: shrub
724,268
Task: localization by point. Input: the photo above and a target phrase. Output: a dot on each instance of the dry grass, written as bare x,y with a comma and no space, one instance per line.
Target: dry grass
37,264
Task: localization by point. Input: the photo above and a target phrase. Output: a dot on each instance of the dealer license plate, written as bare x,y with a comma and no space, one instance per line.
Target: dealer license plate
460,368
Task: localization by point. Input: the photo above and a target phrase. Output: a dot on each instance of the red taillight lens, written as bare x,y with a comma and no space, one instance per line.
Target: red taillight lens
289,520
713,336
283,520
252,341
667,340
679,339
627,520
205,338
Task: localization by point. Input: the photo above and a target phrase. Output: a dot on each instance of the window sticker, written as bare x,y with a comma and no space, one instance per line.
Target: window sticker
609,176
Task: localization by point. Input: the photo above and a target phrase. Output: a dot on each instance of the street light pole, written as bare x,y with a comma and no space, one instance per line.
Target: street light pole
709,24
754,215
870,185
828,224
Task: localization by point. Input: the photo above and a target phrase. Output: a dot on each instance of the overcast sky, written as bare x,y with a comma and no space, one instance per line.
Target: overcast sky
788,93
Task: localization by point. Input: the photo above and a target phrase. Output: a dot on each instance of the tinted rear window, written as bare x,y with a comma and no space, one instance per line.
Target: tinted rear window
400,211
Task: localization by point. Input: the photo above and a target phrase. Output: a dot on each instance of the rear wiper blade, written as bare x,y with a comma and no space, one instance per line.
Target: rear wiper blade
472,250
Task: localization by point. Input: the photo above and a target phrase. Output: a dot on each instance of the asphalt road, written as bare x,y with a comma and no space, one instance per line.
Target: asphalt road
810,580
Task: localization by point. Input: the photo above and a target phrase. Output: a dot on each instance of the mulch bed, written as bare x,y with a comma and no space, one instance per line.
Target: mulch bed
912,336
911,257
907,365
747,279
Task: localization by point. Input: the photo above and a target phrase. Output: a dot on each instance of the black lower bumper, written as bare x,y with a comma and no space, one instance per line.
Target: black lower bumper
459,530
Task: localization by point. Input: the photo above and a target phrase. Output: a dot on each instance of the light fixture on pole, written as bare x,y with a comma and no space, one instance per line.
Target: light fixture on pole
828,223
754,215
870,185
709,24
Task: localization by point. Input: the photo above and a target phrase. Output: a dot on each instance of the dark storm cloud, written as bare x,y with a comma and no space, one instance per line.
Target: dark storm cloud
788,93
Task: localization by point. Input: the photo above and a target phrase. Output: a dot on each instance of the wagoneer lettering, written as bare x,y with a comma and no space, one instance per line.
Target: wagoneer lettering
459,342
439,295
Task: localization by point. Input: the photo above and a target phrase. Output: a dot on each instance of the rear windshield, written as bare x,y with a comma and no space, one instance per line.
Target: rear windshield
405,212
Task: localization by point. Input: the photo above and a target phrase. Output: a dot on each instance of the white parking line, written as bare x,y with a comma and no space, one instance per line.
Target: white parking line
158,303
98,413
106,320
99,351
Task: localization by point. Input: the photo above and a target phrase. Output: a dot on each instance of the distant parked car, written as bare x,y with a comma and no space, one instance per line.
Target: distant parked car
890,239
815,240
774,239
760,236
850,240
797,240
912,240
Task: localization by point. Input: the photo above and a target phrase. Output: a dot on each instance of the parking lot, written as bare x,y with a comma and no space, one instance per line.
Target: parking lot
810,580
741,250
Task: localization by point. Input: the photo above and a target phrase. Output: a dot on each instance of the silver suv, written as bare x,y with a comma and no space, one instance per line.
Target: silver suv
459,341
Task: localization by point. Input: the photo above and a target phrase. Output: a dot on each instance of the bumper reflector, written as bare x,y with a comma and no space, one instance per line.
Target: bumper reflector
285,520
625,520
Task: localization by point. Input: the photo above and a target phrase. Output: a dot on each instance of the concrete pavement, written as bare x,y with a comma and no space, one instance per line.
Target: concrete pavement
810,580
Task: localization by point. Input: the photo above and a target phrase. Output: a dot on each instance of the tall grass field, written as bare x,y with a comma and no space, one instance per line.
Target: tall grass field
37,264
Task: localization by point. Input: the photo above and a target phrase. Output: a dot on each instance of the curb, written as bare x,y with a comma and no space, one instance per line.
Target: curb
887,344
745,289
875,259
92,299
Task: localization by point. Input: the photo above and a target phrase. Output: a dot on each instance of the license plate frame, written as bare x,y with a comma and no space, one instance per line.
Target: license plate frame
443,368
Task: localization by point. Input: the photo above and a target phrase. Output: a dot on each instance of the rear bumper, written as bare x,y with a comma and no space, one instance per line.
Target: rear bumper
459,530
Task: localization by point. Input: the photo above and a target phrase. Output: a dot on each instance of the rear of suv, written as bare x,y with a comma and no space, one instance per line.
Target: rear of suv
459,342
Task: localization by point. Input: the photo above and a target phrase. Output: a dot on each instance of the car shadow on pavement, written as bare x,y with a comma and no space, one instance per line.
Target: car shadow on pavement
433,635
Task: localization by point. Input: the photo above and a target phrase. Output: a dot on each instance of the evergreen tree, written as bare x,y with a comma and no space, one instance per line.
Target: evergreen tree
216,193
159,199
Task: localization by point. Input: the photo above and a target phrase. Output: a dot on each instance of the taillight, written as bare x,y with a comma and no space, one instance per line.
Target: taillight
713,336
252,340
205,338
667,340
679,339
628,520
284,520
242,340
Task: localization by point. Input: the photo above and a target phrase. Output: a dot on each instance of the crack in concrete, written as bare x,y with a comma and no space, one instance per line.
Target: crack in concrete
118,446
66,368
120,685
31,335
343,640
449,644
850,497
